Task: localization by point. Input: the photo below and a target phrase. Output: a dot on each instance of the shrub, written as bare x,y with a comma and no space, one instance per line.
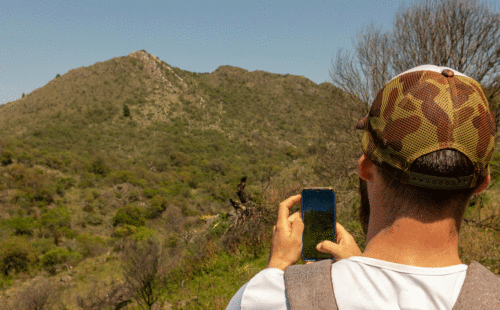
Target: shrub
58,222
90,245
58,256
292,152
217,165
180,159
186,211
22,225
17,255
6,158
40,294
149,192
130,215
143,233
93,219
133,196
124,231
126,111
98,167
171,240
158,205
118,177
42,246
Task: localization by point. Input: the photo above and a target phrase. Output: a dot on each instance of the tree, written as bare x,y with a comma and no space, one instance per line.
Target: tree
17,255
143,269
104,296
463,35
337,151
126,110
58,222
40,294
130,215
22,225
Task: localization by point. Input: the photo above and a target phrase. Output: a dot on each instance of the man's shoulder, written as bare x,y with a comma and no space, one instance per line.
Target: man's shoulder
481,288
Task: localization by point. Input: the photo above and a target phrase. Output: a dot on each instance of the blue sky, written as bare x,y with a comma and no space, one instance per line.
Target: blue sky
39,39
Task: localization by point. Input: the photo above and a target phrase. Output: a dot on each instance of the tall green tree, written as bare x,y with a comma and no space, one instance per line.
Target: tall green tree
58,222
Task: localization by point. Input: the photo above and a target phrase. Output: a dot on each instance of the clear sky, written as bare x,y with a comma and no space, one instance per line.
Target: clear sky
41,38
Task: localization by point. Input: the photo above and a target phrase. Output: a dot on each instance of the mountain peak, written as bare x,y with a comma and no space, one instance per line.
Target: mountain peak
142,54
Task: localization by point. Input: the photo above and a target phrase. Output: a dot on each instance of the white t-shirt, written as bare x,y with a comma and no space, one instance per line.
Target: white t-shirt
364,283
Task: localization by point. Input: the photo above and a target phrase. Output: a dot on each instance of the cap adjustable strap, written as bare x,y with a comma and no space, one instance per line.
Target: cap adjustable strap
430,181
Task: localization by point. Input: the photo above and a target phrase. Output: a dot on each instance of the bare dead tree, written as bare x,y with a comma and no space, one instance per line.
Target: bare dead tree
463,35
101,296
38,295
338,140
143,269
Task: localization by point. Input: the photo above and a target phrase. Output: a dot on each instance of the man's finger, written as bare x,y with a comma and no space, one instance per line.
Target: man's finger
342,233
284,211
297,228
294,216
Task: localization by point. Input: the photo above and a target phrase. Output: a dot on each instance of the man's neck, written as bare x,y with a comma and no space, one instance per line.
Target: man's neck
410,242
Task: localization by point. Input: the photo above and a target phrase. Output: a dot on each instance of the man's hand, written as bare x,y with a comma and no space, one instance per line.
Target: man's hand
344,248
286,245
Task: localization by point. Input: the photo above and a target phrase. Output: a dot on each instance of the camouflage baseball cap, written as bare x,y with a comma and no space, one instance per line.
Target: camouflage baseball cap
425,109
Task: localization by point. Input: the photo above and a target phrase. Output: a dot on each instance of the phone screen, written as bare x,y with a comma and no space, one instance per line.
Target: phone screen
318,215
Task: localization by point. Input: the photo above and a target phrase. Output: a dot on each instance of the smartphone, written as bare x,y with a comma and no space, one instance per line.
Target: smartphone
318,215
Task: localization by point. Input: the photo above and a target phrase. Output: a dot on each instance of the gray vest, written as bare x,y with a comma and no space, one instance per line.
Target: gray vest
310,287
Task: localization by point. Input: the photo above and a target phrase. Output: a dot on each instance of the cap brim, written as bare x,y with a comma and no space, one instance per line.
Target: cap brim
362,123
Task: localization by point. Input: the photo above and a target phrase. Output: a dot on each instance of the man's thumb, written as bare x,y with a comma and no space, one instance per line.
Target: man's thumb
327,247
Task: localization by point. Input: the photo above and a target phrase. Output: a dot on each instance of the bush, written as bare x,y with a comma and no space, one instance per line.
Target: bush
130,215
119,177
93,219
58,222
180,159
38,295
17,255
292,152
42,246
143,233
158,205
126,111
22,225
6,158
58,256
149,192
90,245
124,231
98,167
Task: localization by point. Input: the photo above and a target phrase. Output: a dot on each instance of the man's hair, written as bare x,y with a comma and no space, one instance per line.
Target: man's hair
426,204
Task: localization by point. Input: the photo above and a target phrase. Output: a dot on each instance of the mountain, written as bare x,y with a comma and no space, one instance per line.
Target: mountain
229,122
133,147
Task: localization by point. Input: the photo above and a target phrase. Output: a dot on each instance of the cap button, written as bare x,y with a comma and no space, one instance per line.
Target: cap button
447,73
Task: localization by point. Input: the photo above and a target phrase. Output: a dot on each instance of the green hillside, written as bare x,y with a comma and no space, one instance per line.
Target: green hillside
107,166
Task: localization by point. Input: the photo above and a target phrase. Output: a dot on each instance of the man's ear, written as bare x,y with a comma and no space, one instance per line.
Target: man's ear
365,168
483,185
